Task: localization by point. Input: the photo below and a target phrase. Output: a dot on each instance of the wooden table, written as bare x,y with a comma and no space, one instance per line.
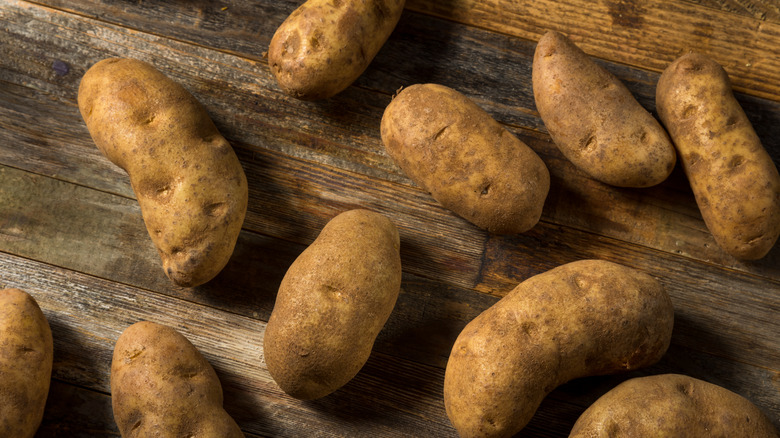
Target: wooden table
71,232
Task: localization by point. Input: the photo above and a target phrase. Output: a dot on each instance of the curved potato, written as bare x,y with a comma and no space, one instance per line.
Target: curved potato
324,45
736,184
585,318
332,303
672,405
595,121
161,386
466,160
26,354
189,183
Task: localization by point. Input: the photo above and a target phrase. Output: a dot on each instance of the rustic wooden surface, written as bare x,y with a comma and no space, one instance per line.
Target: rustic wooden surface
72,236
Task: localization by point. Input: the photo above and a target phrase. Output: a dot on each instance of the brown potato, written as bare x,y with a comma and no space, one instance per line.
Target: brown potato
672,405
468,162
332,303
324,45
26,353
161,386
188,181
585,318
736,184
594,120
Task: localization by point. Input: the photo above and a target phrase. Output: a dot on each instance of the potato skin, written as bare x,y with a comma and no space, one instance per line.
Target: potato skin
26,354
584,318
595,121
671,405
325,45
189,183
468,162
332,303
736,184
162,387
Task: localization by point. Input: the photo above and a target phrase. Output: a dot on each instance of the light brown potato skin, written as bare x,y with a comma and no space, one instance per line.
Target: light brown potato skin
189,183
594,120
584,318
162,387
736,184
332,303
672,405
325,45
468,162
26,353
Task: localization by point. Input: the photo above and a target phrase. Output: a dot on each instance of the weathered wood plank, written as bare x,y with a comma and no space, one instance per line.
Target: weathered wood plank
648,34
103,235
389,397
88,315
229,92
768,10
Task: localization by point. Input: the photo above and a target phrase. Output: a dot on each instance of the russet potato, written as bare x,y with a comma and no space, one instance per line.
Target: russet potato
332,303
734,180
584,318
189,183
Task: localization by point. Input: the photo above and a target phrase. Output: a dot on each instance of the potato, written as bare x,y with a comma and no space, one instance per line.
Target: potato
162,387
188,181
585,318
332,303
26,353
325,45
595,121
672,405
734,180
467,161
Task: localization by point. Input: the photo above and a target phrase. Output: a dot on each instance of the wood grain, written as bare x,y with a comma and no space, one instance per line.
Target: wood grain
71,231
260,120
648,35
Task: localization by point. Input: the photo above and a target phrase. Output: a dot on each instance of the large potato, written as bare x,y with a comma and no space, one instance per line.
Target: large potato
332,303
188,181
161,386
672,405
736,184
584,318
26,353
324,45
594,120
465,158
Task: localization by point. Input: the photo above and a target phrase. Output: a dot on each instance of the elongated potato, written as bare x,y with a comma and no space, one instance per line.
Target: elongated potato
189,183
161,386
26,353
672,405
467,161
594,120
332,303
736,184
324,45
585,318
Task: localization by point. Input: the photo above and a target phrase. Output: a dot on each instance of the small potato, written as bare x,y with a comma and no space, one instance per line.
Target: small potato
332,303
468,162
188,181
585,318
26,353
672,405
162,387
736,184
595,121
324,45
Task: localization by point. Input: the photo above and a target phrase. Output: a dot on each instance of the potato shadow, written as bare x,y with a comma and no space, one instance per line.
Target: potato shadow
388,393
563,406
248,283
